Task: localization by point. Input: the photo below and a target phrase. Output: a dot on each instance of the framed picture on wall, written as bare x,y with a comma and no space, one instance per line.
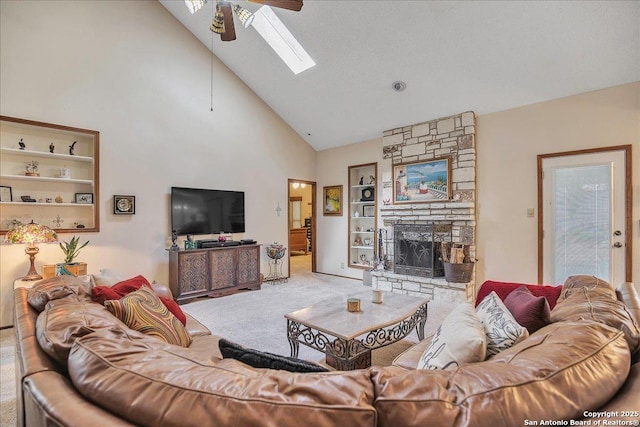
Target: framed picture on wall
332,200
5,194
124,205
84,198
423,181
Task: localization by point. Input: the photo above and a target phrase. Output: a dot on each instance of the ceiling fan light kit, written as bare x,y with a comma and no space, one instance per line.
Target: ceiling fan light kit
217,25
194,5
245,17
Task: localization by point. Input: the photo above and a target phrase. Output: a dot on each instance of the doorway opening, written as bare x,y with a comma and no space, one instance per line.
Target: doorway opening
301,225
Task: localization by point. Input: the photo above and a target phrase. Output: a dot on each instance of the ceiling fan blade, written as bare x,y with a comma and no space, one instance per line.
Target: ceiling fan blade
294,5
229,28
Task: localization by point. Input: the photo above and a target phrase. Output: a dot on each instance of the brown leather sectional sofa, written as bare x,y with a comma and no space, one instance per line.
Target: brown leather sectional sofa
578,366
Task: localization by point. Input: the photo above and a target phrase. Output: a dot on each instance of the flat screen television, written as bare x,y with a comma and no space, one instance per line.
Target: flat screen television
201,211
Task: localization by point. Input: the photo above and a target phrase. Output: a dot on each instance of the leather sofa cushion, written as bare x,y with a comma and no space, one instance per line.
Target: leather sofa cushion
598,305
409,358
149,382
54,288
592,283
627,293
67,319
548,376
195,328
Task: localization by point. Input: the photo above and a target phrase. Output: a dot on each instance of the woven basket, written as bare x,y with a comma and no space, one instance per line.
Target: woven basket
458,273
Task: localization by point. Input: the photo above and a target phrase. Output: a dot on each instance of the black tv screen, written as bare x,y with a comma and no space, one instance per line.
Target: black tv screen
200,211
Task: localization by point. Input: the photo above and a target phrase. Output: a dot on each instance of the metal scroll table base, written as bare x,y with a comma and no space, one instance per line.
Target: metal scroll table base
275,272
354,353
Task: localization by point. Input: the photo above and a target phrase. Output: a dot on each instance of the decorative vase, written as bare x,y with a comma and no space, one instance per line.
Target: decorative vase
275,250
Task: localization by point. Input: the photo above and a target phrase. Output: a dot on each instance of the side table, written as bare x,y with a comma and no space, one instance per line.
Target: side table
19,283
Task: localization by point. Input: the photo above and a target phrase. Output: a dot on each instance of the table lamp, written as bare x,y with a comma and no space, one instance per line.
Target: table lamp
31,234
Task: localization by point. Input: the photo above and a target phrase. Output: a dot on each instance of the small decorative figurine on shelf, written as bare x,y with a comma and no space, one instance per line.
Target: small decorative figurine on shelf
72,147
372,179
32,168
362,180
22,144
174,238
58,199
51,147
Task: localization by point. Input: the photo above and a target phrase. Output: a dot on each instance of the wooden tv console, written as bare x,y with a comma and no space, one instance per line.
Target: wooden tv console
214,271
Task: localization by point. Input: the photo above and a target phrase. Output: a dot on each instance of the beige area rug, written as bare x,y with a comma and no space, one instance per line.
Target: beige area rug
256,318
252,318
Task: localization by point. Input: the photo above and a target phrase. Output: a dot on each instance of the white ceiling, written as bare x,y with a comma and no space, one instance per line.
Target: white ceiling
455,56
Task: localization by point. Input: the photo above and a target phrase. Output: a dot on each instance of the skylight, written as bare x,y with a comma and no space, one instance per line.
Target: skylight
271,28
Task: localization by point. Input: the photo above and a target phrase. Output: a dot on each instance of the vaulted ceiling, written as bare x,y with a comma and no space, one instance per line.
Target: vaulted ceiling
454,56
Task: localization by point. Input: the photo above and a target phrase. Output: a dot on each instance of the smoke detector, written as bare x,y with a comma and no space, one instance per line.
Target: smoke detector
399,86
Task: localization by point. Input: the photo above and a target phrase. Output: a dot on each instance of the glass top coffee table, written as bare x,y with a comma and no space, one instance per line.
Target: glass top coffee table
347,338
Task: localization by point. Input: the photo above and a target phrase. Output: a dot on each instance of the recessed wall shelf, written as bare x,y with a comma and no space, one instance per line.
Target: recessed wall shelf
58,175
362,215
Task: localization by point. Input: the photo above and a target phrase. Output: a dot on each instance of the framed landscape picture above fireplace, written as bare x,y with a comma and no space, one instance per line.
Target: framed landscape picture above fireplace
423,181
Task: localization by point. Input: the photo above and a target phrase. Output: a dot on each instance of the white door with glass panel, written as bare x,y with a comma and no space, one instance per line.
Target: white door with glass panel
583,202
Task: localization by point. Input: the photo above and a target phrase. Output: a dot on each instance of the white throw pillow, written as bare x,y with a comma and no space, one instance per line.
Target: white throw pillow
106,277
460,339
501,328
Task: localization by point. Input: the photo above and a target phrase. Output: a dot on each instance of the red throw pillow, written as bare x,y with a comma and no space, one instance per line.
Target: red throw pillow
530,311
100,294
551,293
127,286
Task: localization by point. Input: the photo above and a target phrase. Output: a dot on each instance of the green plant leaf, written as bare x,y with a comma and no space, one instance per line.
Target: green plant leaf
71,249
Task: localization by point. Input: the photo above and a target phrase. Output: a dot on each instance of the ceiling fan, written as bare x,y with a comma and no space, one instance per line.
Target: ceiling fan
223,19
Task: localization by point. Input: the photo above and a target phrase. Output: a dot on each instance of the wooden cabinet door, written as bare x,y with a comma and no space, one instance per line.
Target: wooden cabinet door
223,268
193,273
248,265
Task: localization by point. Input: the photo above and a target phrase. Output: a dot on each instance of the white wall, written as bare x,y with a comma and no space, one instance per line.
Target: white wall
508,143
332,169
130,70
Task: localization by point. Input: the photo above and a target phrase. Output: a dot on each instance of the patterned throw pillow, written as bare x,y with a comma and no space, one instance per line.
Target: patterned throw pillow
143,311
501,328
100,294
460,339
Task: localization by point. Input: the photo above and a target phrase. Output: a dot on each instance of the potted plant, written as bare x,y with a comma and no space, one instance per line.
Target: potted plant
71,251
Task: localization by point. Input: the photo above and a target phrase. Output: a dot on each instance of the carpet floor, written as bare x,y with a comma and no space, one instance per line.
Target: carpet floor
253,318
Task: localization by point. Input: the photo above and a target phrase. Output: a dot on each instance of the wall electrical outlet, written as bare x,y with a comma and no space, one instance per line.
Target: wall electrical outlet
531,212
342,265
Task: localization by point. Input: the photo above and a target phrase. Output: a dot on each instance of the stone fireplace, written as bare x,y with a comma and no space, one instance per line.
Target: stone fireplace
451,220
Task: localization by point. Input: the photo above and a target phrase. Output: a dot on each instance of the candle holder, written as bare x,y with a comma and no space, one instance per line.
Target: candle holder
353,305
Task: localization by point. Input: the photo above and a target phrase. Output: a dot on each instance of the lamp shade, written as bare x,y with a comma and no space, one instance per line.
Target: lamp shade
32,233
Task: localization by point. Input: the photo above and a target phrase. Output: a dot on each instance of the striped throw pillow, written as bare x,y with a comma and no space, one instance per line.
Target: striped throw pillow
143,311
